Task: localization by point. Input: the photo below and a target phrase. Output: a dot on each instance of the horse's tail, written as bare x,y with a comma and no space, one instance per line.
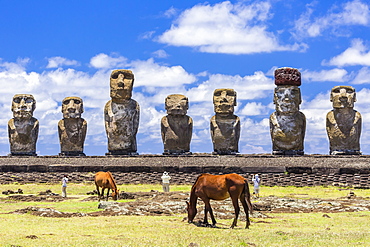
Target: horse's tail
247,195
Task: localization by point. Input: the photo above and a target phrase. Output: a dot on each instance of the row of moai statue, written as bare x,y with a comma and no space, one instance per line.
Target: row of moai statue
121,116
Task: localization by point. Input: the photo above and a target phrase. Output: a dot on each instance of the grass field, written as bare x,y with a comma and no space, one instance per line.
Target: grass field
299,229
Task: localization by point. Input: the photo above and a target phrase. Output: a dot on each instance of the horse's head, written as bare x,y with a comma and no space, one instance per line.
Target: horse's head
192,211
115,194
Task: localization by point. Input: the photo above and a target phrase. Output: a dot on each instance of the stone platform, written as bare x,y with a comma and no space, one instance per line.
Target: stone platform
307,170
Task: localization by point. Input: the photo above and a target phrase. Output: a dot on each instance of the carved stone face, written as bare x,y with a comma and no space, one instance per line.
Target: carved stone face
224,101
121,84
287,99
23,105
177,104
343,97
72,107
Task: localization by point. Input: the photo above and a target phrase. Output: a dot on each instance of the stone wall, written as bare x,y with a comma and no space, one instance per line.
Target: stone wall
307,170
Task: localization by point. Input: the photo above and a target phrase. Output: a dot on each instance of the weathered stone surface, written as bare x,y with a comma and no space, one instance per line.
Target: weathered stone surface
72,128
176,127
225,126
23,128
343,123
306,170
121,115
287,76
287,123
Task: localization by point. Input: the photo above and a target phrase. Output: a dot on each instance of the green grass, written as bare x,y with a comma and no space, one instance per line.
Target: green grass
300,229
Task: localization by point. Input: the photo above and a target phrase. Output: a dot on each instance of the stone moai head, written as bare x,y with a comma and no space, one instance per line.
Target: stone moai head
343,97
121,84
224,100
177,105
23,105
72,107
287,95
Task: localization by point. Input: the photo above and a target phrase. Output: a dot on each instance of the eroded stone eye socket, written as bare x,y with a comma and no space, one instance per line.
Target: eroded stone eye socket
116,74
339,89
126,75
76,101
26,100
228,93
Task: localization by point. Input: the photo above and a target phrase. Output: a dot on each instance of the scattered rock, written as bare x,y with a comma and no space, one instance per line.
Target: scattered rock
32,236
173,203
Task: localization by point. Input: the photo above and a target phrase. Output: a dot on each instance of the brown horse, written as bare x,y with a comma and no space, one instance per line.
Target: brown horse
219,187
106,180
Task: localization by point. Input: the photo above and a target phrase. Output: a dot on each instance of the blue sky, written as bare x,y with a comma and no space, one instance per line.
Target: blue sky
55,49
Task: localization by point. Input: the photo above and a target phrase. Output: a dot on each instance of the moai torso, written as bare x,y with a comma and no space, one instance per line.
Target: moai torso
121,115
225,126
121,124
176,127
287,123
343,123
23,128
72,128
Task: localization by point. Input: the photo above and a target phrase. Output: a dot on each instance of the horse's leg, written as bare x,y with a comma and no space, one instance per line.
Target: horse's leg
102,192
108,193
206,202
97,189
245,206
234,198
208,208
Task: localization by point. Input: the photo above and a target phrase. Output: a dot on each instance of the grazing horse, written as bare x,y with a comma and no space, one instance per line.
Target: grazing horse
219,187
106,180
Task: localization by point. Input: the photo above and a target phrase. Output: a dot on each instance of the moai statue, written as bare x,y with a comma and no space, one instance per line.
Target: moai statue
23,128
343,124
287,123
121,115
176,127
72,128
225,126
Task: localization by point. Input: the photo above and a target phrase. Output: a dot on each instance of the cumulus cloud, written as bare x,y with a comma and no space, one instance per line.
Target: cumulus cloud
248,87
148,73
56,62
356,54
338,75
225,28
103,61
350,13
254,109
160,54
362,77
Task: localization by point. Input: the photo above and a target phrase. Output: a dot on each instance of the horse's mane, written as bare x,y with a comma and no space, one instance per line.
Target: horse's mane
113,181
196,180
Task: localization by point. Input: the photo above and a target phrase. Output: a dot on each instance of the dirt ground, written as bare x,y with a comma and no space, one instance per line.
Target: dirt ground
173,203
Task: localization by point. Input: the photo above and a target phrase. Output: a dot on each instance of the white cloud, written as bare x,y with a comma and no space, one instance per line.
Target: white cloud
356,54
225,28
338,75
103,61
56,62
248,87
160,54
170,12
254,109
148,73
362,77
350,13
